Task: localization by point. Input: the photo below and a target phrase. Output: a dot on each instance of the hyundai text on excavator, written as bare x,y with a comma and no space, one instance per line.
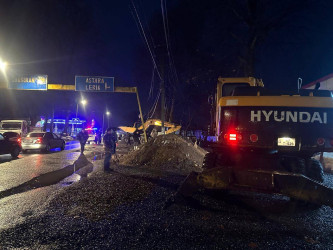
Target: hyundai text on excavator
265,141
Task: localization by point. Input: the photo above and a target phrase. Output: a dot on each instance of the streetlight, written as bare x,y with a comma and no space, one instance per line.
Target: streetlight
83,102
3,65
108,115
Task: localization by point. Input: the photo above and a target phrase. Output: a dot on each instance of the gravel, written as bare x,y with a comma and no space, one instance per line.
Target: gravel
124,209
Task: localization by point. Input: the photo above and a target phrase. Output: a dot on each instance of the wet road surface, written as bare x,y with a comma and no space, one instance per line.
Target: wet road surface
31,181
14,172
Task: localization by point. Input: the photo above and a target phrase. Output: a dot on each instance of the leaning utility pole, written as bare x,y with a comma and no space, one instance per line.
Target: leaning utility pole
163,103
162,88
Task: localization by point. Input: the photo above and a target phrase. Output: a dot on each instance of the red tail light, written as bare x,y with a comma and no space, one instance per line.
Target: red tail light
254,138
233,137
15,139
320,141
39,140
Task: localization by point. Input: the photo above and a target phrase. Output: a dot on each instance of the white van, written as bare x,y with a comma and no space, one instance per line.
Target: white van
18,126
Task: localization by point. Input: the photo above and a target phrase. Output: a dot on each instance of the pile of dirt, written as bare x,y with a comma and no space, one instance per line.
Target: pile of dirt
170,152
327,162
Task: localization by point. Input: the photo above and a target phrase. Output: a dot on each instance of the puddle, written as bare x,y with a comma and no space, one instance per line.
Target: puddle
68,183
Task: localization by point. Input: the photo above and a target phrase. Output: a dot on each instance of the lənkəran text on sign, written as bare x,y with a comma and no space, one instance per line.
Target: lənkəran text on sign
94,83
34,82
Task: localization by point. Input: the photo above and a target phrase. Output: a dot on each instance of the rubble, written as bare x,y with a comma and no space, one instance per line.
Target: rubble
167,152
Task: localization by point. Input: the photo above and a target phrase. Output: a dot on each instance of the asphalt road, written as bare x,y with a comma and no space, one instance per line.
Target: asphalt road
14,172
129,203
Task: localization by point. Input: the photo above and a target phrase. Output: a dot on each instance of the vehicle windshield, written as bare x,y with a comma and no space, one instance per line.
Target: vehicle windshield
11,125
36,135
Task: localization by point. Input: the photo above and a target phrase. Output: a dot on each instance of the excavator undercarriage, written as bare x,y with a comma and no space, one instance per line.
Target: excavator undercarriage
241,177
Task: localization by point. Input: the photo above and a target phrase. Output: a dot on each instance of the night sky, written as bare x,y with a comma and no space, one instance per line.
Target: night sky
207,39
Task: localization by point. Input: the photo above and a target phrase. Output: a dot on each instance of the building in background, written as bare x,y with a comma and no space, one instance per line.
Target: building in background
326,83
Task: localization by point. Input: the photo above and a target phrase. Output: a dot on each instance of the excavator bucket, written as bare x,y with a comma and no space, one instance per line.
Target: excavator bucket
127,129
292,185
153,122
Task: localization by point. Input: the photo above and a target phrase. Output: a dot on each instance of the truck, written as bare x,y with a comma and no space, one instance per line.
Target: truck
265,142
17,126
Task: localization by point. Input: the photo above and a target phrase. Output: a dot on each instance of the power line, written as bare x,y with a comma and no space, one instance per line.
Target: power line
146,24
153,109
167,39
144,34
151,91
164,26
137,25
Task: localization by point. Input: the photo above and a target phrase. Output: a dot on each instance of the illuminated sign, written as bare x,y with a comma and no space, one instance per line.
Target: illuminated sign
35,82
94,83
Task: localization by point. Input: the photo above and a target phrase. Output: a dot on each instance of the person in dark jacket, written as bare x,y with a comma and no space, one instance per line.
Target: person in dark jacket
136,139
98,137
82,137
110,148
128,139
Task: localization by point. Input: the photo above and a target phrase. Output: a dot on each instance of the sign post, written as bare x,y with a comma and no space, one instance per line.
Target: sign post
35,82
94,83
134,90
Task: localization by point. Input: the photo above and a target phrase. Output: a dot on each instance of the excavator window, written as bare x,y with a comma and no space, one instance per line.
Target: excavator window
247,91
228,88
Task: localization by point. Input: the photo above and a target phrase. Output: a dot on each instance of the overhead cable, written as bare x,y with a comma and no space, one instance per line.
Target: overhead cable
146,40
167,40
151,91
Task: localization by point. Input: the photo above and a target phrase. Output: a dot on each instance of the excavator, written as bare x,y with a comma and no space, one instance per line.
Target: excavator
264,141
171,127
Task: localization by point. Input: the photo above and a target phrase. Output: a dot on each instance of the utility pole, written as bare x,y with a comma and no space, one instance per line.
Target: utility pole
163,103
51,128
162,87
103,124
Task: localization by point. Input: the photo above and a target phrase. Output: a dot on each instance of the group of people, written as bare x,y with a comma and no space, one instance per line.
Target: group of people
136,139
110,145
110,142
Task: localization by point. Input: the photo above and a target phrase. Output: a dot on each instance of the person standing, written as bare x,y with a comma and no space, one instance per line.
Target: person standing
109,147
98,137
82,137
128,139
136,139
154,133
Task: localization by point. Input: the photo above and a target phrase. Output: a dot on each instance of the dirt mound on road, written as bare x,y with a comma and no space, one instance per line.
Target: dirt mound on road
170,152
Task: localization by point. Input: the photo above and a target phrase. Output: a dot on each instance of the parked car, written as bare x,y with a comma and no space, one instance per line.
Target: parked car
13,136
43,141
10,145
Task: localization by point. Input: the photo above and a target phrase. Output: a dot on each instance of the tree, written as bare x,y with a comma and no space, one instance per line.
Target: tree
256,19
